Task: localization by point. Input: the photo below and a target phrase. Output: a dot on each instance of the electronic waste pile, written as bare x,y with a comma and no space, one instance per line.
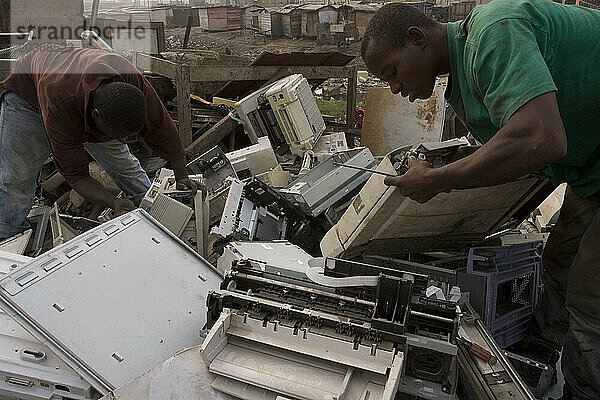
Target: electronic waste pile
299,276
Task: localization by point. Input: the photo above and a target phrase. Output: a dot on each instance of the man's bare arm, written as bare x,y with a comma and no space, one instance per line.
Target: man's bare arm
93,191
183,182
532,138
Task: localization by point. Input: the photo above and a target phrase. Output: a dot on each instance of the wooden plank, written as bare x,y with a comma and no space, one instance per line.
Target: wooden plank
155,65
200,73
211,137
214,59
184,104
280,74
351,99
188,29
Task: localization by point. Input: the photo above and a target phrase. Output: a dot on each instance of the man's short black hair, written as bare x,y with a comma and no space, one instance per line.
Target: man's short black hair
121,105
388,27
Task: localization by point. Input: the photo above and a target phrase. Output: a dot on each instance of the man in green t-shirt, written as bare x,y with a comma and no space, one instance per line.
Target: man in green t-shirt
524,78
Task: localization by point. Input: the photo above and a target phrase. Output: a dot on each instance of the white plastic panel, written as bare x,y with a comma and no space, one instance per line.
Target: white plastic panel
10,262
274,255
29,370
115,301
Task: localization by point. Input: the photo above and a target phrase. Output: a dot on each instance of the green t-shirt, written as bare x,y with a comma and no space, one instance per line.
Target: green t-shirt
509,51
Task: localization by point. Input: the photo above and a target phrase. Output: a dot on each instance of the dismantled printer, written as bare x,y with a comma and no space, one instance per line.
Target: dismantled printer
357,331
285,325
330,181
182,212
380,220
107,313
287,113
255,211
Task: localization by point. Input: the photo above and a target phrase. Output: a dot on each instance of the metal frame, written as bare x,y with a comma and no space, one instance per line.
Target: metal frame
61,232
546,372
278,258
15,49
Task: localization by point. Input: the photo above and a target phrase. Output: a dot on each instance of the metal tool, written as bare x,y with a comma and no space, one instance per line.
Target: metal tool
477,351
363,169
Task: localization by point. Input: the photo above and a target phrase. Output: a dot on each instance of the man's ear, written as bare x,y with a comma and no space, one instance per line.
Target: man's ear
416,36
96,113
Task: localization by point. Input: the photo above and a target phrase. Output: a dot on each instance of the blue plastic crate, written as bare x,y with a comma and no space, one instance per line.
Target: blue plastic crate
506,283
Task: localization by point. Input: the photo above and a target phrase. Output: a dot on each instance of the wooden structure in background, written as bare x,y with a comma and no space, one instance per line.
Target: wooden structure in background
291,21
362,16
234,18
251,16
315,14
276,26
184,75
213,18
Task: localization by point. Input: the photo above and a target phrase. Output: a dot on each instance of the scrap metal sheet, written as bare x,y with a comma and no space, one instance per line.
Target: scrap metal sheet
115,301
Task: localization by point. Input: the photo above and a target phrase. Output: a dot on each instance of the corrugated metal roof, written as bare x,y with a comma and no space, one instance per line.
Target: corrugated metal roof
288,9
254,7
357,7
314,7
365,8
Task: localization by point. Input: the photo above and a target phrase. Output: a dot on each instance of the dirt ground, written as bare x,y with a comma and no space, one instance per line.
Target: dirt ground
248,43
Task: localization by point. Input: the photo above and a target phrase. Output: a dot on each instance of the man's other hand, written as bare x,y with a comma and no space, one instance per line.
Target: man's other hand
190,184
418,183
121,206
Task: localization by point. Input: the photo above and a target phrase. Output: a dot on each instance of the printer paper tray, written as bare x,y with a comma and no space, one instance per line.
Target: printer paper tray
281,371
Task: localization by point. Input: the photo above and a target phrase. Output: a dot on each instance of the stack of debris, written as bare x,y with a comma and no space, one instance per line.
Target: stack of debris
299,275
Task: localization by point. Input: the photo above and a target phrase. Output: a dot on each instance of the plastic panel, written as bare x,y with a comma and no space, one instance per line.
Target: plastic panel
513,282
112,294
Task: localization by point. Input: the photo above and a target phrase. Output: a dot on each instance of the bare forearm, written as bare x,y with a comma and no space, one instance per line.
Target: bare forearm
496,162
93,191
180,169
533,138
